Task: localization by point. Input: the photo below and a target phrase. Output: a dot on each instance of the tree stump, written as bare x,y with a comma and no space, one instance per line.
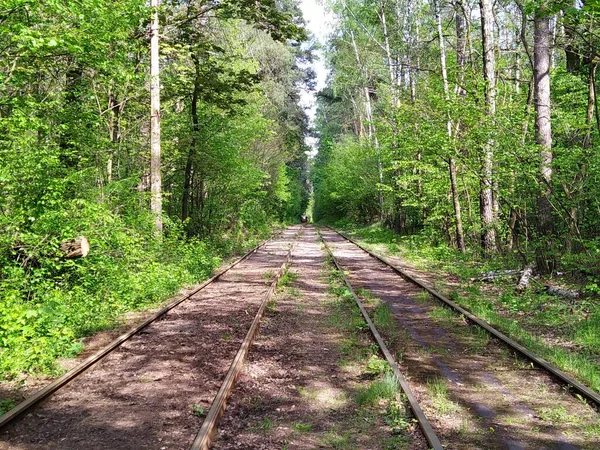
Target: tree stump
75,248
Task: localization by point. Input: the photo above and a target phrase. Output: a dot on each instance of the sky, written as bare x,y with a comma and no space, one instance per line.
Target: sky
318,21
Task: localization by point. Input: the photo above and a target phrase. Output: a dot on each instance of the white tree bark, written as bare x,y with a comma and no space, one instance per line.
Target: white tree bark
489,74
543,129
155,177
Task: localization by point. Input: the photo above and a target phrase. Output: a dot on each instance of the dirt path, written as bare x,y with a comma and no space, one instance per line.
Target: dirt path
297,391
148,394
476,394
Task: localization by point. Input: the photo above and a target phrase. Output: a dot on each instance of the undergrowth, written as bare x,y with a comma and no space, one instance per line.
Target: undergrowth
49,304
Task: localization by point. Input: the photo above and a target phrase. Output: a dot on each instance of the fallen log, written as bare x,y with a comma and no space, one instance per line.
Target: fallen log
561,291
496,274
75,248
524,280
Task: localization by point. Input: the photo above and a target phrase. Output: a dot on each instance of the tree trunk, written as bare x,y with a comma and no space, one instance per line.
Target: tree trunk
461,46
543,133
489,74
75,248
114,133
155,177
460,238
187,180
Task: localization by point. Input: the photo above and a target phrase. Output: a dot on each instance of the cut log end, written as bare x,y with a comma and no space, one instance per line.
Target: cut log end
75,248
524,280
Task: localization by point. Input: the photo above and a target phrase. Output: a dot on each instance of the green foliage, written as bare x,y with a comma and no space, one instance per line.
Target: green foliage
50,303
6,405
74,157
385,388
198,411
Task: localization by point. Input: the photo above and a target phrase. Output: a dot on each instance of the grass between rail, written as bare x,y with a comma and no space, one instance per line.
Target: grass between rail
379,403
565,332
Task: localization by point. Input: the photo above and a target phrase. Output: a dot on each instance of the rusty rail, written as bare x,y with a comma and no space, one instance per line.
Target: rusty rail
424,423
568,380
49,389
206,434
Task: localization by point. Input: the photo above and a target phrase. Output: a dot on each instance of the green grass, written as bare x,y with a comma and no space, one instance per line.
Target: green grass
377,366
384,389
266,425
557,415
338,440
302,427
287,278
271,305
443,315
439,396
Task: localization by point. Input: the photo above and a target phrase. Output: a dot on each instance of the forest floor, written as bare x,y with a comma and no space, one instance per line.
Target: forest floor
566,331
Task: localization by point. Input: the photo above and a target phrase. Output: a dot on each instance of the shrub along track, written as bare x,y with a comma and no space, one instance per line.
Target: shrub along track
152,391
475,392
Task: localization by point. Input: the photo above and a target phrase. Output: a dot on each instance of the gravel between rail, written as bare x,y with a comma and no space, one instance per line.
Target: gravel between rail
145,393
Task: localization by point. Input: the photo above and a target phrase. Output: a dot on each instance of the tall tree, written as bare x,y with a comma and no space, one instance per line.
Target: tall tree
543,129
489,75
460,236
155,144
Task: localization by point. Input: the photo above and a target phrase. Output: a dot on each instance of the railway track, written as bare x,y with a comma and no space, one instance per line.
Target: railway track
169,378
574,385
479,371
137,358
418,413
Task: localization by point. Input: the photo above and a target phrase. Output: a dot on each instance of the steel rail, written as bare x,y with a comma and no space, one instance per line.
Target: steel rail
571,382
90,361
424,423
205,435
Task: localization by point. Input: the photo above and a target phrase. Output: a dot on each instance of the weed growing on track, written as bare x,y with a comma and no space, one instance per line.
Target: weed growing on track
380,403
198,411
385,388
287,278
269,275
302,427
266,425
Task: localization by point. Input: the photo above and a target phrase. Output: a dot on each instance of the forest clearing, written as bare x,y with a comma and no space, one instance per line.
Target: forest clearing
289,224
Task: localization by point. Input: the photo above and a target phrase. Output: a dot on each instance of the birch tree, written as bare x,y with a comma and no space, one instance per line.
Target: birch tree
489,75
155,144
543,129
